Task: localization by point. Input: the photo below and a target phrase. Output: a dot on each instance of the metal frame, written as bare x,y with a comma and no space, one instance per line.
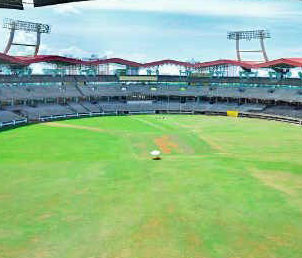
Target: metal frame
12,4
249,35
30,27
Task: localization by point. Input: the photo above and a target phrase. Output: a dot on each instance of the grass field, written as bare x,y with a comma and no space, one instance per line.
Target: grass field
225,188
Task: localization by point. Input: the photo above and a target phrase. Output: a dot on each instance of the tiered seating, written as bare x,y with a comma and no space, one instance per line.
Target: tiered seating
35,113
160,98
251,107
7,116
100,90
38,92
91,107
284,111
77,107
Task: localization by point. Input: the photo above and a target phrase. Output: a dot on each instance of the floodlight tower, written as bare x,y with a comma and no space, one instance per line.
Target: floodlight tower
30,27
249,35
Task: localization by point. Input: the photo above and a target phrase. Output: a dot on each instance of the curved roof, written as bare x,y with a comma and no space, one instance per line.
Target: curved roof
11,4
6,59
40,3
18,4
220,62
282,62
27,60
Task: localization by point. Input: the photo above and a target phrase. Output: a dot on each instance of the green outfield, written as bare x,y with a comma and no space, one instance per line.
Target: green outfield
225,188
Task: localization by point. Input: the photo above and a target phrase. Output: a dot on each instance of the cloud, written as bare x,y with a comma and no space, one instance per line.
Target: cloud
23,38
245,8
71,51
67,9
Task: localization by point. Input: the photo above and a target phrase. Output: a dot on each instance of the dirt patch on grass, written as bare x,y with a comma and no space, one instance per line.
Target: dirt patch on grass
285,182
81,191
45,216
35,239
278,240
184,144
154,125
213,144
152,228
194,240
88,128
165,144
5,196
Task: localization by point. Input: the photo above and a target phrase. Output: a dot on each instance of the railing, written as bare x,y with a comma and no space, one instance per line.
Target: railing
285,119
75,115
40,80
117,112
13,123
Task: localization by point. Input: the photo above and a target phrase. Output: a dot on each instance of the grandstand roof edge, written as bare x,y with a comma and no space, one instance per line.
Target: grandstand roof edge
27,60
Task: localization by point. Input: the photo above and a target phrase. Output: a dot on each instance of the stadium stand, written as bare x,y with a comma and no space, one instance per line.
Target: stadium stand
284,111
78,108
7,116
37,101
44,110
92,107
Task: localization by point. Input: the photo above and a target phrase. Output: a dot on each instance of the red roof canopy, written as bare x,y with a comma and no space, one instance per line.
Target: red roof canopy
282,62
27,60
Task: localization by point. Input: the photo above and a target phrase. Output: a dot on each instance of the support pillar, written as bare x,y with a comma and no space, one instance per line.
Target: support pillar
10,40
238,49
263,49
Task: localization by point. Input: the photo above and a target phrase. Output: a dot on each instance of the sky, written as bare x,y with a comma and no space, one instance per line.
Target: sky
145,30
